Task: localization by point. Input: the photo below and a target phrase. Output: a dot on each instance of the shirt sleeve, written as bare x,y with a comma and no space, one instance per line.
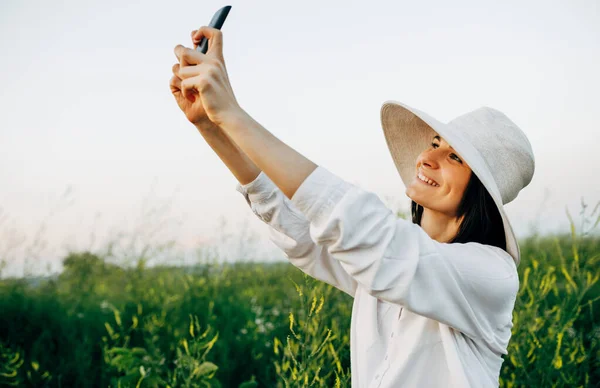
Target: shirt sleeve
289,230
471,287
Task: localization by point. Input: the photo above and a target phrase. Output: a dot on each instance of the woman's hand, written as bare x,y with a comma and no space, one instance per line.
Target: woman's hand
200,83
195,113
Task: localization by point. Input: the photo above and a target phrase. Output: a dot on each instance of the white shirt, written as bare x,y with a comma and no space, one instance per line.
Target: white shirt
425,313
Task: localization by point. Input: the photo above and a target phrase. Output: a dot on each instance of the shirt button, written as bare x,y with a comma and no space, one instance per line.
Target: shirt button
392,335
376,377
386,357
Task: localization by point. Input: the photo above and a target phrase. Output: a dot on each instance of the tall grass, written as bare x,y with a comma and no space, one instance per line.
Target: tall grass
267,325
556,334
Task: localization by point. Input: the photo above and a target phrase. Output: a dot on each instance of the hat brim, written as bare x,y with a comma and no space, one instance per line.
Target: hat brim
408,132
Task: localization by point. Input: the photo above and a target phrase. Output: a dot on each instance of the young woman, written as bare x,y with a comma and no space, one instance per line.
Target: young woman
433,298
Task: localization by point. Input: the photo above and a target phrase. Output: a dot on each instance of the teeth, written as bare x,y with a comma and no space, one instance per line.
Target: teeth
429,181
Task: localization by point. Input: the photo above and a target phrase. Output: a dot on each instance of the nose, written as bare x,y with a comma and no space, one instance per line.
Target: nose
428,159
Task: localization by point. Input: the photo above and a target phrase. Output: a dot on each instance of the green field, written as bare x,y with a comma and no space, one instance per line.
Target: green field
265,325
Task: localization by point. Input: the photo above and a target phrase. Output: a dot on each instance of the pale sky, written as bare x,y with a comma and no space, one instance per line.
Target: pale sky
91,137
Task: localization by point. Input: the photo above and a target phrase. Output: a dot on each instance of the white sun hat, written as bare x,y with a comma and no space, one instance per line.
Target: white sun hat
495,148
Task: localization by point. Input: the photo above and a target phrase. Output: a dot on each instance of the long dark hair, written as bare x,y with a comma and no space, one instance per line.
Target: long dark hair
482,222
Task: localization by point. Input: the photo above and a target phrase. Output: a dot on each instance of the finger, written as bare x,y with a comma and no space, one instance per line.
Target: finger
214,36
176,69
187,56
194,42
190,71
175,84
189,87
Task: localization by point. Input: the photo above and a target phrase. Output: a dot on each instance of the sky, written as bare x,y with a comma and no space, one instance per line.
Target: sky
93,147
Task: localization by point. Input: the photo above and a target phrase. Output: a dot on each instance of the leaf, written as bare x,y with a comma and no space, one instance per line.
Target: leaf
206,368
191,326
312,307
249,384
109,329
321,302
569,278
137,351
185,346
117,316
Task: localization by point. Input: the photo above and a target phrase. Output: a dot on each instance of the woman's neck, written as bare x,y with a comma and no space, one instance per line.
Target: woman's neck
439,226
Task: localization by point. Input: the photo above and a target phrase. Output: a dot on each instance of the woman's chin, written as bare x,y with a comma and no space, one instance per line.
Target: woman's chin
420,196
417,198
416,193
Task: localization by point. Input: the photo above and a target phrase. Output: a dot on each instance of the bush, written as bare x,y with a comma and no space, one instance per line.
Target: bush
248,325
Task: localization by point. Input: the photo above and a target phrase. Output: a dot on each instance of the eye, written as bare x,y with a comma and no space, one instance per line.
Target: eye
456,157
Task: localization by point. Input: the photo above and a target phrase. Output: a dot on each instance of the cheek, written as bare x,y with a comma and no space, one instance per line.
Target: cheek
464,182
459,181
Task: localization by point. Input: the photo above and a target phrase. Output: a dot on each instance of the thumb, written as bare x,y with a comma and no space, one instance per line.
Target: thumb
214,36
195,41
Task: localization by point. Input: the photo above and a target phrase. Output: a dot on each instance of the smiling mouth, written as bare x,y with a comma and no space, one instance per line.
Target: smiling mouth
429,182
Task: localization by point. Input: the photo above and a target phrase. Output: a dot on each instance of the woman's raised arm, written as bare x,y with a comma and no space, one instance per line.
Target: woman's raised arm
290,231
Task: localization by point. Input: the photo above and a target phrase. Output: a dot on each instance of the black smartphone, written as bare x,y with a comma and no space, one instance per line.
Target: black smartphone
216,22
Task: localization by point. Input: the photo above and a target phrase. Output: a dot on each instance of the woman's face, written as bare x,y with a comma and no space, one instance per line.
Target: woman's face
440,163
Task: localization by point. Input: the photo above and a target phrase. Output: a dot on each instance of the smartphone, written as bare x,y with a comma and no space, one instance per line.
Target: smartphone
216,22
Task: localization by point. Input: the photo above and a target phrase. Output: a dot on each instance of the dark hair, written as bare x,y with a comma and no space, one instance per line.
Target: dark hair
482,222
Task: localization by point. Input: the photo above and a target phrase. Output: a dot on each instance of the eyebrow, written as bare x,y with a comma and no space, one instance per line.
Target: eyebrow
439,139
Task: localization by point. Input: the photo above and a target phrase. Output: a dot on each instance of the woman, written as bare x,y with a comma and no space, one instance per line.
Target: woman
433,298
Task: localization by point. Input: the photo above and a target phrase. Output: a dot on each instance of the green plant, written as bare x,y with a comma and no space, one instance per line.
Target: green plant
309,356
147,367
556,338
10,362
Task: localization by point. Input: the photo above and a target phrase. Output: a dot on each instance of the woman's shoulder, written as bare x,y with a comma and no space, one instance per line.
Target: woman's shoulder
498,264
486,258
503,256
